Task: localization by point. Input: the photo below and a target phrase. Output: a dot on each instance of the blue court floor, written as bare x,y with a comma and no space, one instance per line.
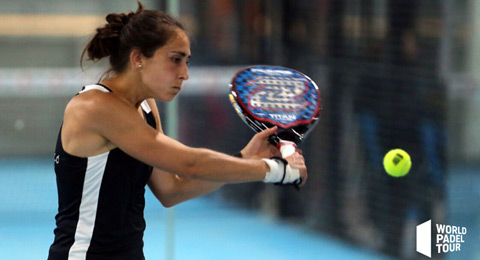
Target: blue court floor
205,228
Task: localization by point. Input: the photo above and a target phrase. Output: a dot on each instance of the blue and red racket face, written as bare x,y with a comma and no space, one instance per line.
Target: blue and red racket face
266,96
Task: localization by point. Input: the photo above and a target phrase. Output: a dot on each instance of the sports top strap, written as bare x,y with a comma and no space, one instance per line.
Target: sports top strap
103,88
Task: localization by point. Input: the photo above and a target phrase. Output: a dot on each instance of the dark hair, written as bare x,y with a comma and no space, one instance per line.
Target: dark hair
144,29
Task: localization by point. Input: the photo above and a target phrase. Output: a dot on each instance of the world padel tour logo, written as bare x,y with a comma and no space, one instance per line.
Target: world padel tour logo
447,238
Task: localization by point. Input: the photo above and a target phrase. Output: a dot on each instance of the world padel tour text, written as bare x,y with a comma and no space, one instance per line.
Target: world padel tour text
449,238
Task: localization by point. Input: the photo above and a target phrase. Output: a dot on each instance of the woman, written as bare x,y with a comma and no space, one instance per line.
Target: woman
111,143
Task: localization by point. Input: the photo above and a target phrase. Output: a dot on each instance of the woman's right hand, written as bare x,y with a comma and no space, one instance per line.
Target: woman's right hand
297,161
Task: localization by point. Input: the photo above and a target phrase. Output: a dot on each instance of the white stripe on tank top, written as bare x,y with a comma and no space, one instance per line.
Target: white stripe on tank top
88,206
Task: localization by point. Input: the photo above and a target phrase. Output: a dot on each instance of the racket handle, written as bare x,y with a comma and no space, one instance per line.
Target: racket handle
287,148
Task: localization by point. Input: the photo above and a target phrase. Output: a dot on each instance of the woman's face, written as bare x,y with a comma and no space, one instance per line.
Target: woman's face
163,73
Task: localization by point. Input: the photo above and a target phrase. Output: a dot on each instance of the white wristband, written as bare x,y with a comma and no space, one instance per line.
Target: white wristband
278,171
287,148
292,175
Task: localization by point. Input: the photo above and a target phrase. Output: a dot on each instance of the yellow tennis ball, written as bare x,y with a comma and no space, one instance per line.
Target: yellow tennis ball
397,163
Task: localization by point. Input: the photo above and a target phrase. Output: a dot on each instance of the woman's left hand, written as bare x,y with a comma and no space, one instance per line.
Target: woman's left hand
259,146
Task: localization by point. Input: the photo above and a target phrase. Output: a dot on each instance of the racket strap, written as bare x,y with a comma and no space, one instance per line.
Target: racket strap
280,172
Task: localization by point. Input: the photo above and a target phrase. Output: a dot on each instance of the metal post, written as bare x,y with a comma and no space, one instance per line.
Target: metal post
173,8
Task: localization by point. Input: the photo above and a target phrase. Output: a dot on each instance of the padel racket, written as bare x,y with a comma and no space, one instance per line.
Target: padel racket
265,96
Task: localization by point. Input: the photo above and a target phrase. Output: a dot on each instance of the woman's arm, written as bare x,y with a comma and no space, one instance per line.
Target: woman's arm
171,189
119,123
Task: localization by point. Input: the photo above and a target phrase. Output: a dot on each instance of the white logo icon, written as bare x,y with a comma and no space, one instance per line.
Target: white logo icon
447,238
424,238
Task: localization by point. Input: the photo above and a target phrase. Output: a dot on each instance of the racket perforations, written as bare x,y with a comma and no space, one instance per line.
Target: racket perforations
277,93
272,95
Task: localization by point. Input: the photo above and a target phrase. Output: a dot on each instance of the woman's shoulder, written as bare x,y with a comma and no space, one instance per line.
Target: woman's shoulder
95,105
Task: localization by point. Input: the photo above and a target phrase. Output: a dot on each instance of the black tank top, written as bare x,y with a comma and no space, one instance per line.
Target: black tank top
101,203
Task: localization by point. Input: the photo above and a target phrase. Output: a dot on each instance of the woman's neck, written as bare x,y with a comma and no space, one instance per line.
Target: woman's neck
126,88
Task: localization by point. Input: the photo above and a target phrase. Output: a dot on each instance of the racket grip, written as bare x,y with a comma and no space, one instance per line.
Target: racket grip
287,148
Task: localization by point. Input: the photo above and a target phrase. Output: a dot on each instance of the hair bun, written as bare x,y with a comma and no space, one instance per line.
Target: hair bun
122,18
117,21
106,41
126,17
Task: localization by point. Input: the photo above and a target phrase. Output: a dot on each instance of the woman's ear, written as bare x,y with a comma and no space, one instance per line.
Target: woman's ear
136,59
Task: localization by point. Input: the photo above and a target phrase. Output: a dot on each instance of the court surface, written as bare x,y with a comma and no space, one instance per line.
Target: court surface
205,228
